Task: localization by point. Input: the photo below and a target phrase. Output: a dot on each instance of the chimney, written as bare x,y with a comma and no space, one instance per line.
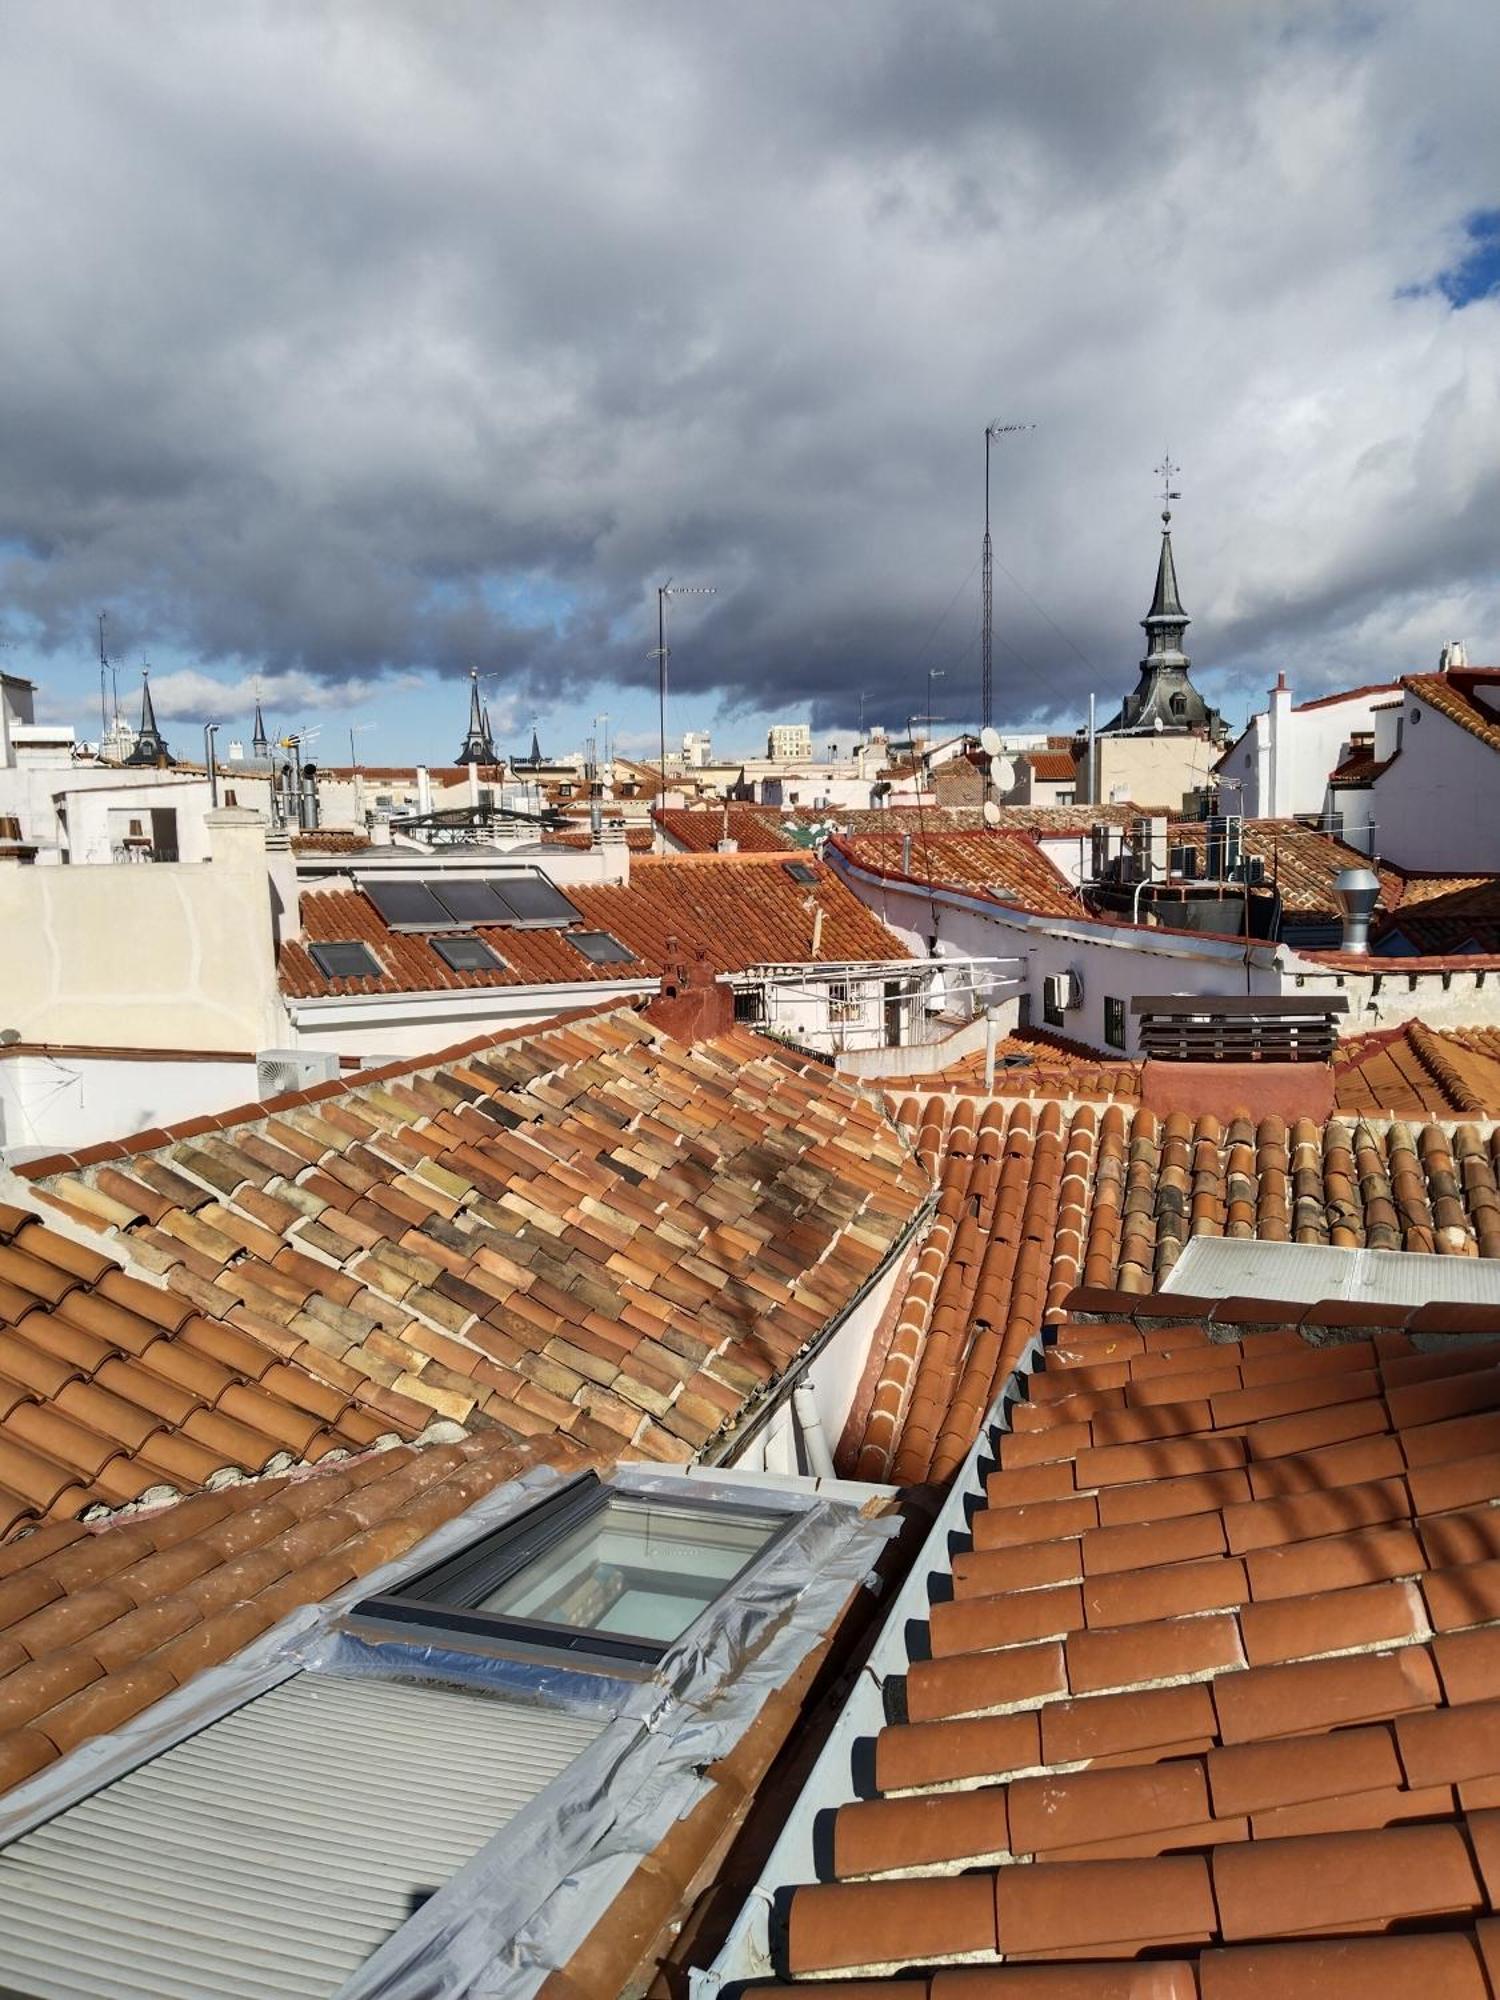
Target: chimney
1454,654
693,1005
1275,800
1356,890
424,790
906,854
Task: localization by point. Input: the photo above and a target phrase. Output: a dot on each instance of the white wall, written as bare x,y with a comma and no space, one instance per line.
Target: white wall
1387,994
53,1103
1281,764
1119,961
97,817
1437,806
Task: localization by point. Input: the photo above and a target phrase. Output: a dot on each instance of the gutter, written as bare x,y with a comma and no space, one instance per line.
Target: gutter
768,1402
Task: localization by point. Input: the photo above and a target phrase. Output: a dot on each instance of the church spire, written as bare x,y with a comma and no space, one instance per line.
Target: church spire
1165,700
150,744
260,746
478,746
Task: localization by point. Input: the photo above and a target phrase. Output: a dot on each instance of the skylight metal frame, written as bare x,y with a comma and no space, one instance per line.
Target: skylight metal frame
622,955
319,950
438,1602
446,943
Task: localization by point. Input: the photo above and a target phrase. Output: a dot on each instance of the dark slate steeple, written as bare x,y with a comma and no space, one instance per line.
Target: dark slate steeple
478,746
1165,700
150,744
260,743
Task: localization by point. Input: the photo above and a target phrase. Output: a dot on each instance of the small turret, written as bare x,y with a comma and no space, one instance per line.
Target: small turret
150,745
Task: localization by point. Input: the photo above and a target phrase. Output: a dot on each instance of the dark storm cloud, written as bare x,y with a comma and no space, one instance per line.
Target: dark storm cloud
348,340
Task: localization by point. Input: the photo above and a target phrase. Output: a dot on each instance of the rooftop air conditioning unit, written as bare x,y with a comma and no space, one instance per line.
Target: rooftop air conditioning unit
278,1070
1062,991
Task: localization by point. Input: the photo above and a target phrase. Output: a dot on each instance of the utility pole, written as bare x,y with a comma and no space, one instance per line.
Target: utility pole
987,666
663,592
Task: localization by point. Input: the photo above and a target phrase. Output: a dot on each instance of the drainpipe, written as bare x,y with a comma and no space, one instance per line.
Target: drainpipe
989,1054
810,1425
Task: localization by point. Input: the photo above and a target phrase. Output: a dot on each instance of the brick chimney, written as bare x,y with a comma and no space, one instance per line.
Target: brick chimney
693,1005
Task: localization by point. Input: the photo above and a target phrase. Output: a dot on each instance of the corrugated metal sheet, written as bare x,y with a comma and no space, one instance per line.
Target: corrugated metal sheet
267,1856
1221,1267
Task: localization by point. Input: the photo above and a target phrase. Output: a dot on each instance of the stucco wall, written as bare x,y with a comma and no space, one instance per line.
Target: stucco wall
55,1102
167,956
1437,806
1149,770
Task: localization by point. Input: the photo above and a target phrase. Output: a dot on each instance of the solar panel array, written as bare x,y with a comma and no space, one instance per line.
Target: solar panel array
518,902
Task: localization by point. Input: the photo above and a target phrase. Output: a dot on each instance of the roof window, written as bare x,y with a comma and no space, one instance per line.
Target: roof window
467,954
596,1572
801,872
345,959
600,948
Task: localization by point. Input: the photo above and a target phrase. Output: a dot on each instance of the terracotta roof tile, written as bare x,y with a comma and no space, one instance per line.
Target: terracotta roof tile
1238,1737
742,910
566,1292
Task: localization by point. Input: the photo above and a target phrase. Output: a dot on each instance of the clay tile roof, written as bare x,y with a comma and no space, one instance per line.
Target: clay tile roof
743,910
1300,861
1218,1659
1051,766
589,1229
757,829
1035,1198
1438,915
1415,1071
1468,696
1034,1062
1004,866
98,1623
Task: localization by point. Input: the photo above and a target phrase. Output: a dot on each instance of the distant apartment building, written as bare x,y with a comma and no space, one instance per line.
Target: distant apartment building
789,742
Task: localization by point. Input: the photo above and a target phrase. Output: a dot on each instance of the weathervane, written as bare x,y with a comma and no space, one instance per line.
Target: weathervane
1166,472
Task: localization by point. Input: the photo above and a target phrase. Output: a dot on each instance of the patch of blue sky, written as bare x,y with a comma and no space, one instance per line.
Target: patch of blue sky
1476,274
527,599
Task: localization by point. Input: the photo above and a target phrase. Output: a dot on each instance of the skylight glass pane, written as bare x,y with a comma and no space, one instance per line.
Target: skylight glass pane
467,954
471,902
534,900
601,948
408,905
800,872
635,1569
345,960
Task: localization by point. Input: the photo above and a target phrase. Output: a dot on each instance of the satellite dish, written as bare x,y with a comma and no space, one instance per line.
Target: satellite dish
991,813
989,741
1002,773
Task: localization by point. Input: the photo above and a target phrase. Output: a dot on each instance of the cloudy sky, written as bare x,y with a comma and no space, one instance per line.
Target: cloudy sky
344,346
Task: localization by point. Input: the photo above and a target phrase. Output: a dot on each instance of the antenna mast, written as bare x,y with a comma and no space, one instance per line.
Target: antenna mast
103,671
987,655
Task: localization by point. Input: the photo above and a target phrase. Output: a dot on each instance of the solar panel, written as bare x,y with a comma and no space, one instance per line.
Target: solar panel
534,901
408,906
471,902
345,960
467,954
600,948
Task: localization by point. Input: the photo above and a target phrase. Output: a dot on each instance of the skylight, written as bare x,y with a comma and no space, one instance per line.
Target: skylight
597,1572
345,960
467,954
801,872
600,948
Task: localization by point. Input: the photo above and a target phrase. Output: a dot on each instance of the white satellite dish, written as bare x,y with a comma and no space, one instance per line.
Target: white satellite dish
991,813
989,741
1003,773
